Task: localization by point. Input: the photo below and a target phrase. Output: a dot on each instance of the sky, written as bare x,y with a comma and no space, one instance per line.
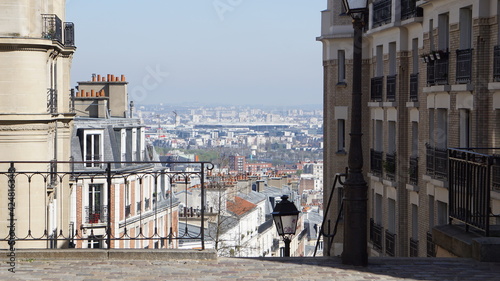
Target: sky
207,52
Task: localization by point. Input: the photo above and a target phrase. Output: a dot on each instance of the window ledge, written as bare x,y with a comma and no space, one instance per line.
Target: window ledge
341,84
412,104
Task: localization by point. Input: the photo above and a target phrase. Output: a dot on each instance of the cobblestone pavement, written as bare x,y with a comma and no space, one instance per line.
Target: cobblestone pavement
255,269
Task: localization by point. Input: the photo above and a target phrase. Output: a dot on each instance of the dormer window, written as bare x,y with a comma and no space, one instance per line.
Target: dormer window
93,148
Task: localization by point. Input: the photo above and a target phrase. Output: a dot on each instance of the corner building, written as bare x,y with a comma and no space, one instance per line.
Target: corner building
36,49
430,84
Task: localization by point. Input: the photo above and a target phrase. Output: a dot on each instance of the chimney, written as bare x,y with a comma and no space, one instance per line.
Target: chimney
93,77
98,77
123,78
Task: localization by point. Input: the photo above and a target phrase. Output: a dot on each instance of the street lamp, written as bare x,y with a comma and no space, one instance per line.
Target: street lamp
285,217
355,200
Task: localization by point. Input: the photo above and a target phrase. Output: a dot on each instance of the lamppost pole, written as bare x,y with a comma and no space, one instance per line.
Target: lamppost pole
355,200
286,252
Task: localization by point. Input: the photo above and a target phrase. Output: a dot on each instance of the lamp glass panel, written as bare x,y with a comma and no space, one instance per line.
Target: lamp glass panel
289,224
279,225
353,5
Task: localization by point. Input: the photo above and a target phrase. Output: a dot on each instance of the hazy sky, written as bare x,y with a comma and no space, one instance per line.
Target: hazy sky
204,51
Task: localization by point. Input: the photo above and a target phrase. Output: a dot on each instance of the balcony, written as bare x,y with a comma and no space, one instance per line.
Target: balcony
413,171
390,243
52,29
377,84
437,162
472,176
69,34
390,166
127,210
464,66
496,63
96,214
391,88
413,248
414,87
441,69
376,162
409,9
382,12
376,235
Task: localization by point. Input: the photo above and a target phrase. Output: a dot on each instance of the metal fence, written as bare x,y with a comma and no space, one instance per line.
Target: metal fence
55,205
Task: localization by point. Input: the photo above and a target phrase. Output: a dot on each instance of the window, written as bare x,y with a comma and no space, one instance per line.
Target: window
391,219
431,212
341,67
442,213
96,213
378,136
392,58
414,54
134,144
431,126
443,32
414,139
431,34
92,148
380,61
95,242
465,28
464,128
341,135
441,136
392,137
414,221
123,145
378,209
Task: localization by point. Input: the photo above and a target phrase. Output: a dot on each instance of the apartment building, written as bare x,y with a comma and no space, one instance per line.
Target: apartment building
135,203
430,72
37,46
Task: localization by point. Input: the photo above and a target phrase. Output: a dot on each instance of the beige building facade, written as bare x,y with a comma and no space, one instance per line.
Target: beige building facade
37,47
430,72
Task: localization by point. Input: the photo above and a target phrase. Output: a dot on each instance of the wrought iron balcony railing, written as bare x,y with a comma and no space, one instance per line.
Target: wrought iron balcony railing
69,34
464,66
391,88
31,181
376,233
441,69
495,173
409,9
390,243
96,214
414,87
437,162
377,84
376,162
471,177
431,73
431,247
413,247
413,170
382,12
390,166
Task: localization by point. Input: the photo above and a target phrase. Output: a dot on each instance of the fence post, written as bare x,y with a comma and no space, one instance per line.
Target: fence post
108,230
202,176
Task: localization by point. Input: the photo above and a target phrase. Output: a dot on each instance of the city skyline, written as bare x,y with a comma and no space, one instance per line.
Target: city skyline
219,52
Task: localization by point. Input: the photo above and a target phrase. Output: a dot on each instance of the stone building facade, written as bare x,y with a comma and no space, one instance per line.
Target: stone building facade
430,72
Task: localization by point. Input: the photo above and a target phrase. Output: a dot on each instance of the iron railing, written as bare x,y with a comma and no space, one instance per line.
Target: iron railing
390,243
464,66
409,9
431,73
441,69
413,170
437,162
44,222
376,162
413,247
414,87
470,183
377,84
52,27
391,88
495,173
496,63
69,34
382,12
376,233
96,214
390,166
52,101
